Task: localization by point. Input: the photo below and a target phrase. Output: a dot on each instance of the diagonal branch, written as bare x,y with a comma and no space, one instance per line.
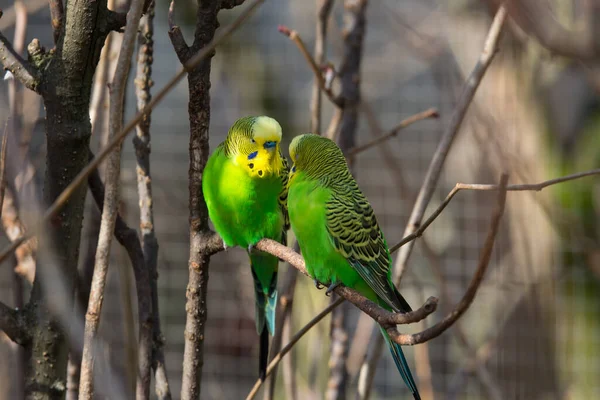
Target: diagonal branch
431,113
26,73
435,167
295,37
286,349
82,176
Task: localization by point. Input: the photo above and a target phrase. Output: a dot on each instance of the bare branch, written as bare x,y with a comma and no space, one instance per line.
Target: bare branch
295,37
488,187
324,9
431,113
435,167
82,176
141,143
107,226
290,345
469,295
26,73
13,325
177,40
381,316
57,16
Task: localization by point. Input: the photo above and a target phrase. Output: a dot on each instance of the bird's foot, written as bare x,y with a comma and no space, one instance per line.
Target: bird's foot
318,284
331,288
250,248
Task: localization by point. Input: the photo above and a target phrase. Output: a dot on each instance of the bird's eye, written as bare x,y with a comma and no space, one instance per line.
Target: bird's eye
294,168
253,141
269,144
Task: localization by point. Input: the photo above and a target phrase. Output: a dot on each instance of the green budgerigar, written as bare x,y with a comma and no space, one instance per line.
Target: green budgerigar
245,188
338,233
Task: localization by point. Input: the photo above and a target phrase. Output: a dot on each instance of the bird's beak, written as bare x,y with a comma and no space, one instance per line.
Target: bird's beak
270,146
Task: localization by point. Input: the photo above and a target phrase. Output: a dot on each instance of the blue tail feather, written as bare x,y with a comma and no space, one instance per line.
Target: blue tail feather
401,364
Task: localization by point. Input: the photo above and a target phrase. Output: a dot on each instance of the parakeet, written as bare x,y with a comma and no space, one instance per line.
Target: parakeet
245,188
338,233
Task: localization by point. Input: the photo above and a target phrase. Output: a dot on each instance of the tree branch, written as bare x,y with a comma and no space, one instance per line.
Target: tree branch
13,325
26,73
177,40
107,227
324,9
295,37
435,167
141,143
431,113
380,315
488,187
82,176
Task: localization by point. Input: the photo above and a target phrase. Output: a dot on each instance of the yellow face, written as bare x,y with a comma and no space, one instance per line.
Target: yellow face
262,159
293,149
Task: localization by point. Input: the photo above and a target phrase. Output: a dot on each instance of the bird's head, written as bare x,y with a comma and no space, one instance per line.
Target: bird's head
253,143
316,156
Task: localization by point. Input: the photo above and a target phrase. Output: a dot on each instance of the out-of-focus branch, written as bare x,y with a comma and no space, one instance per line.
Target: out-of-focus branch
295,37
57,16
537,19
279,356
431,113
107,226
212,245
488,187
3,166
141,143
435,167
469,295
13,325
323,10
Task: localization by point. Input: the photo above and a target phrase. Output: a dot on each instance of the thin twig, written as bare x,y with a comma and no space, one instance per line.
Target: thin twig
295,37
82,176
107,226
323,10
430,113
435,167
290,345
488,187
141,143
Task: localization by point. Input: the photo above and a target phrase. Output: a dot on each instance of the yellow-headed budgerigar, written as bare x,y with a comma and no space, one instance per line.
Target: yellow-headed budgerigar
245,188
338,233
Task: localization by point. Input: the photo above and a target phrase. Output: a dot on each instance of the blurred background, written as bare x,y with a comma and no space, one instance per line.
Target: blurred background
533,331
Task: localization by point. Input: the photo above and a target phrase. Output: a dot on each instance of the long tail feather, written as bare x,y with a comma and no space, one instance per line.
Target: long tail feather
263,358
265,307
401,364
